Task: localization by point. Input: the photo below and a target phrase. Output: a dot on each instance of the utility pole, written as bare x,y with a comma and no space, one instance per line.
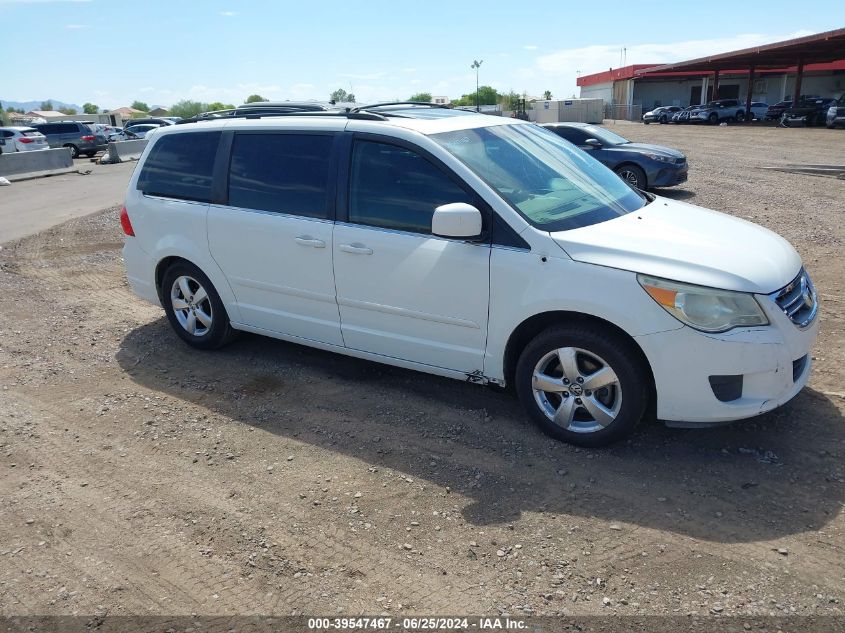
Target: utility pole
476,64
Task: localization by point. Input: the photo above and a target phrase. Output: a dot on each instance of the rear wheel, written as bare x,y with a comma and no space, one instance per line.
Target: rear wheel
74,150
740,116
633,175
193,307
582,384
713,118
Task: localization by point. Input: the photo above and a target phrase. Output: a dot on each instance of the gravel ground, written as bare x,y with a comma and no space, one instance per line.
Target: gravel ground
141,477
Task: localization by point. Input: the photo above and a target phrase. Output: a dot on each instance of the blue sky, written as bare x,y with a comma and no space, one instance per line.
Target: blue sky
111,52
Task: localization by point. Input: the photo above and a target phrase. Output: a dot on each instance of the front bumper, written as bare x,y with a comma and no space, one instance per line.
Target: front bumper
774,361
667,176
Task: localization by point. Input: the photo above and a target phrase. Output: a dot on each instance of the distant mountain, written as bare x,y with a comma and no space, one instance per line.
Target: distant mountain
36,105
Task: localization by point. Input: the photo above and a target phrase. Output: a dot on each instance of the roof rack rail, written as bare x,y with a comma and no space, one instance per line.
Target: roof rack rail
368,116
382,104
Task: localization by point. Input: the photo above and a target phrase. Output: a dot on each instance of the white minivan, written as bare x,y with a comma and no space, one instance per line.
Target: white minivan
480,248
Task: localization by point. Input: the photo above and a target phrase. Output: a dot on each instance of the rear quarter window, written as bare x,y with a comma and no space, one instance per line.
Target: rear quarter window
180,166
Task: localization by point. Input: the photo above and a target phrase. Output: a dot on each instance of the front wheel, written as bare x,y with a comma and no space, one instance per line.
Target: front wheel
633,175
713,118
740,117
194,308
582,384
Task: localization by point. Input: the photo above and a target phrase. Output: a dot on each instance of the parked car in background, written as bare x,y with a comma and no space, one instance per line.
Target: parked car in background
483,249
79,137
836,113
718,111
640,165
157,121
809,112
663,114
682,116
134,133
21,139
758,110
775,111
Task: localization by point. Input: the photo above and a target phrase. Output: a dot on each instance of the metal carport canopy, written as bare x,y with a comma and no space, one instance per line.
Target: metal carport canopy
812,49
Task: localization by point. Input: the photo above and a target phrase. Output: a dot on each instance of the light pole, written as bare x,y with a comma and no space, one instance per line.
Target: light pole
476,64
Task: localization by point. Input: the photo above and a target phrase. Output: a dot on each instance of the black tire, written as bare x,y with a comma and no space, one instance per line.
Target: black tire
646,122
713,118
74,151
220,332
618,353
663,120
740,117
633,175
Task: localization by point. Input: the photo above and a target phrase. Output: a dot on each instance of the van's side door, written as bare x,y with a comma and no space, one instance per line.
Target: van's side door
273,236
403,292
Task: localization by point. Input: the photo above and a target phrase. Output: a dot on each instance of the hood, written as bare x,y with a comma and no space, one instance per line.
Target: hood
646,148
683,242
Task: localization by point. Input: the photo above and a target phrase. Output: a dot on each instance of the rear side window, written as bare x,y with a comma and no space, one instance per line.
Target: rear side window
396,188
282,173
180,166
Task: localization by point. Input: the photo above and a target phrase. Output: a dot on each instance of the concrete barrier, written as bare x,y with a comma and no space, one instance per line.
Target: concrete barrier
120,151
26,165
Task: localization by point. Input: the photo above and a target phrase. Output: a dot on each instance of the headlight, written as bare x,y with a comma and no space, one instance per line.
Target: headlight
702,308
660,158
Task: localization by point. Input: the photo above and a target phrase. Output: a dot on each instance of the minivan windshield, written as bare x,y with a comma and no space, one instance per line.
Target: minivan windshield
550,182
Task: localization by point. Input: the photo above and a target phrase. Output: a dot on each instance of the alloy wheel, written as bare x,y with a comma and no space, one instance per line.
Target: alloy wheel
577,390
191,305
630,177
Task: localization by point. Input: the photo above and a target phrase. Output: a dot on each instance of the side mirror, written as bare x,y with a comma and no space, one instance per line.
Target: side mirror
593,142
458,219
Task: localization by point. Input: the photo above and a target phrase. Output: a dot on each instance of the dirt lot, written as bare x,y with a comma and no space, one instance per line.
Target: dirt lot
140,477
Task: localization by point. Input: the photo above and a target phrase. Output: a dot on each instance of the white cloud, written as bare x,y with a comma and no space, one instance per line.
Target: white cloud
530,47
364,77
228,14
77,26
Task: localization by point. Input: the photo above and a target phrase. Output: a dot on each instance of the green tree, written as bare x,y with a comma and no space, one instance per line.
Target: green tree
140,105
340,95
254,98
187,109
510,101
90,108
421,96
486,96
217,105
68,111
47,106
547,95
